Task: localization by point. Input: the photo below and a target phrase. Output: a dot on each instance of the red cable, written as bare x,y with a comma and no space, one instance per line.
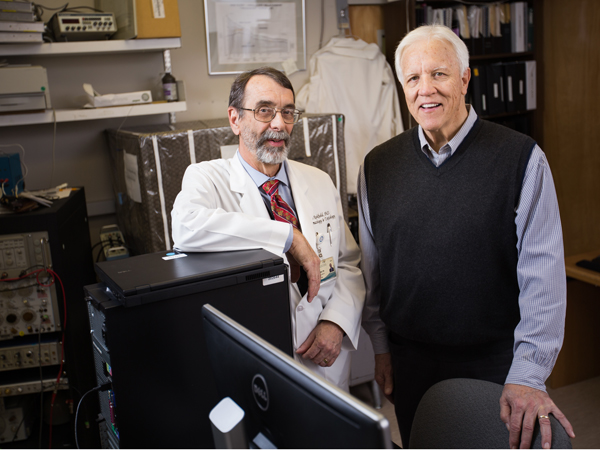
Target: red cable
62,348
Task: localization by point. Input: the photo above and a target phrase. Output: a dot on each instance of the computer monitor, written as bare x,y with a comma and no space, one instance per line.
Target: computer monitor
284,401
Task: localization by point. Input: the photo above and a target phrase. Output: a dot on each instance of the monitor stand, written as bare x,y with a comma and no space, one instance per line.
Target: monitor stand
227,423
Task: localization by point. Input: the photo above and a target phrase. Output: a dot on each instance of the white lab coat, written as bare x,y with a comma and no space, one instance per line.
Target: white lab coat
220,209
353,78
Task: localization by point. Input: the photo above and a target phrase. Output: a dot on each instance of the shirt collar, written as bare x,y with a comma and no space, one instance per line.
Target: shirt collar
260,178
457,139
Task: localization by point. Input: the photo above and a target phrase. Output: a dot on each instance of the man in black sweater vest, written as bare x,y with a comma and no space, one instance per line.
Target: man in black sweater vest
462,248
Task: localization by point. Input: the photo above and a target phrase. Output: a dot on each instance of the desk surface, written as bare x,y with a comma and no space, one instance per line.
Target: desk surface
579,273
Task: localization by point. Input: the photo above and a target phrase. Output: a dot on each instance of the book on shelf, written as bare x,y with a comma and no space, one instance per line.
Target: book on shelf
17,16
478,90
530,85
518,26
495,89
20,37
530,30
505,28
487,29
514,89
25,27
10,5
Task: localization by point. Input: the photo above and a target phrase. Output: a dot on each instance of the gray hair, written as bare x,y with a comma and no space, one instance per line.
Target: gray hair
432,32
238,88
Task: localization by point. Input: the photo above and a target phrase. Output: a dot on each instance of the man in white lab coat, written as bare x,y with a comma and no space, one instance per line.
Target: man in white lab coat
223,206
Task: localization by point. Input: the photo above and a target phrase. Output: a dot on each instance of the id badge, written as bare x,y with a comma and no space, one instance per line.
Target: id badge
327,269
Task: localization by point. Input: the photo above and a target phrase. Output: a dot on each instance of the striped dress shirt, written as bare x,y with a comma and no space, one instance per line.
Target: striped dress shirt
540,268
260,178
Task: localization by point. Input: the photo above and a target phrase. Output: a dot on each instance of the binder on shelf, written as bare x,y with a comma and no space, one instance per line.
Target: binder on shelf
492,35
505,28
460,13
510,87
486,36
518,26
530,30
530,85
520,94
478,90
495,12
475,43
495,89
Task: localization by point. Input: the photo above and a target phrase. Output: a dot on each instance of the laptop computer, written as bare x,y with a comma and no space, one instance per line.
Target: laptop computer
156,276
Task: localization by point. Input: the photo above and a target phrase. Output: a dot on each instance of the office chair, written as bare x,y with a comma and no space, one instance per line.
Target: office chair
465,413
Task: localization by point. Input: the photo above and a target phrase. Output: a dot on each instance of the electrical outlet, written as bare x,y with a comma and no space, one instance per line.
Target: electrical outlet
113,243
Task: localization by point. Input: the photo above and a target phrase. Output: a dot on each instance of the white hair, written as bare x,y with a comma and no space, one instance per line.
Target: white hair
432,32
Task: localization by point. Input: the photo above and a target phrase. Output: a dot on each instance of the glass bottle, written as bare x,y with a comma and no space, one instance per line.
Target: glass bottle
169,87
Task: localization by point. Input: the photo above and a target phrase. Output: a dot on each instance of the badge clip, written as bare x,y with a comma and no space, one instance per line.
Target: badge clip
319,240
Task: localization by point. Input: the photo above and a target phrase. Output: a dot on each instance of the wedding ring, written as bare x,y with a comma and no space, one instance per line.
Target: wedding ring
544,417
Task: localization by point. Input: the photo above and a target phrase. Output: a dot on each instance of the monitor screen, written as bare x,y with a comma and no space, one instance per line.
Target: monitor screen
284,401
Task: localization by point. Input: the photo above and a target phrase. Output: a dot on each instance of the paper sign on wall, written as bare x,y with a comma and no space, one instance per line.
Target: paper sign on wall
132,179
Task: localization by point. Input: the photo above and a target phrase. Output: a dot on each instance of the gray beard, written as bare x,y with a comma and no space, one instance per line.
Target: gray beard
264,153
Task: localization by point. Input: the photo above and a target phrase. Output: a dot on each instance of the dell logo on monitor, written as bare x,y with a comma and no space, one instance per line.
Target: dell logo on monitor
260,392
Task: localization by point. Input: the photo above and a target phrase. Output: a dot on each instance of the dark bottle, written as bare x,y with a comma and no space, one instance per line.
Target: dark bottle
169,87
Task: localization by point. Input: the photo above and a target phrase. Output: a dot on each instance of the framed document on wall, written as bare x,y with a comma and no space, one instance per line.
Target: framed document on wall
244,35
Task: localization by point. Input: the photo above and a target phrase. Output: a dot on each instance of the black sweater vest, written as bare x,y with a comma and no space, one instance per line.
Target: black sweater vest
446,236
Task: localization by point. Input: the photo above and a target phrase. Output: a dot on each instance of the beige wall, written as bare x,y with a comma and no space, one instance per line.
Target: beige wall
76,153
207,95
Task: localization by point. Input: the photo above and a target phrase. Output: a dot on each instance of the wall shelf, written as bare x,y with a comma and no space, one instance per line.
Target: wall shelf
89,47
92,48
73,115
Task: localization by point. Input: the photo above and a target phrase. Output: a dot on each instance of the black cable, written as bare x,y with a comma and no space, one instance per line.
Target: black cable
101,252
104,387
73,8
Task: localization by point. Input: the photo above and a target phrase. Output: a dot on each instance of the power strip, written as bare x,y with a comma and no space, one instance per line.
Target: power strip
113,243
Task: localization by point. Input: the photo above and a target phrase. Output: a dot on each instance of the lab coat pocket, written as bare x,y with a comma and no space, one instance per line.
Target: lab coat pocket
307,317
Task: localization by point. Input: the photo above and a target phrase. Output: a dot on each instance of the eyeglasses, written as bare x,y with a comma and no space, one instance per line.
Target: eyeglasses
266,114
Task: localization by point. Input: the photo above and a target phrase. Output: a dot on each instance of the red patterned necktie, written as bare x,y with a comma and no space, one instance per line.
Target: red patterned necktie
281,210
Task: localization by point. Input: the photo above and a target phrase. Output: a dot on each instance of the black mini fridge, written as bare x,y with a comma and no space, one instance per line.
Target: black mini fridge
148,342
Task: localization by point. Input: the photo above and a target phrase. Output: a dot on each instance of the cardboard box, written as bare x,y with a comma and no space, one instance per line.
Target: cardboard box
143,19
150,27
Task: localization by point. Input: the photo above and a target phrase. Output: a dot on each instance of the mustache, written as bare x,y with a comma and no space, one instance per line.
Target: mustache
274,135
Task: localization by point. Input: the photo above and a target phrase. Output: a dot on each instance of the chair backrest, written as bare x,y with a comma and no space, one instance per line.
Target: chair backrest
465,413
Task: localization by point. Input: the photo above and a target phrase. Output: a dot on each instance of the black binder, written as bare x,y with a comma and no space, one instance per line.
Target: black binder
495,89
478,90
520,91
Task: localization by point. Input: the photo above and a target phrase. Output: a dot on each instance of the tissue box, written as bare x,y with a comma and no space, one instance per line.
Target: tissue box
97,100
